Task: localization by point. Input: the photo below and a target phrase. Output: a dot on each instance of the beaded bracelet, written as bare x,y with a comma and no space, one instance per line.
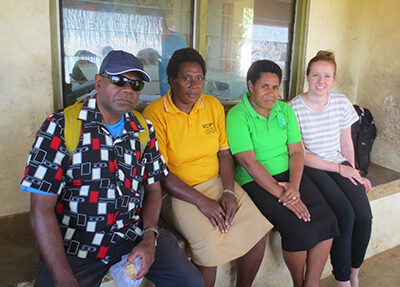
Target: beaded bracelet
231,192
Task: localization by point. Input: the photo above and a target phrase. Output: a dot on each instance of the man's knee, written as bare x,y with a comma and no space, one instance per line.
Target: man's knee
171,259
43,278
167,237
191,276
196,279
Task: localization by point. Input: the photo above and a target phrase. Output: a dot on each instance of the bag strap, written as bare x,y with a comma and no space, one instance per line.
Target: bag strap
143,136
72,129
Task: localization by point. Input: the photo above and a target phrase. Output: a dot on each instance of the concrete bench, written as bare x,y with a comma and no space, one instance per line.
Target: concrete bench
384,199
19,256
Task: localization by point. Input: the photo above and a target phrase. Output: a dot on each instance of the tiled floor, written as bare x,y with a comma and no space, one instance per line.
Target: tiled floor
382,270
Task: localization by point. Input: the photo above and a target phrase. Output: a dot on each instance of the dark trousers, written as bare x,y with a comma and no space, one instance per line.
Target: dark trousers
350,204
171,268
296,234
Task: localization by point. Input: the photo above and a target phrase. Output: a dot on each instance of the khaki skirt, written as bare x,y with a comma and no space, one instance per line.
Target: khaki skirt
210,247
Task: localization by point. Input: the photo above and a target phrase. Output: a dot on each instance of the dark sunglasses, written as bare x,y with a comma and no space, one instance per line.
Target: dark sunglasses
121,81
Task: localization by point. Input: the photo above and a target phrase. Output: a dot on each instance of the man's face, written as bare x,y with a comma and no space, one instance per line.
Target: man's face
114,101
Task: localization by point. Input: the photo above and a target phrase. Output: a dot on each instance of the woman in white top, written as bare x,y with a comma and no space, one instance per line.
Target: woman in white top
325,120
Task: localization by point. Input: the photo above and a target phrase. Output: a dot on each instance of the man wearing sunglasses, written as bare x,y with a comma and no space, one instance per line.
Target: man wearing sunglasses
88,206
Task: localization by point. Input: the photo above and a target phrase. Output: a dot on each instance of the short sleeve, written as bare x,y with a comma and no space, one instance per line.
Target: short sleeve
221,126
294,135
155,165
160,130
48,158
238,132
349,115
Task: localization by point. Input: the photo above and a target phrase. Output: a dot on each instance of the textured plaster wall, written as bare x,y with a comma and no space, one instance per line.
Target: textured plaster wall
379,79
327,30
365,36
26,91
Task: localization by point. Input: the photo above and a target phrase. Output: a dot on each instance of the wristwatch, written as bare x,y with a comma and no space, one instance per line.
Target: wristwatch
156,231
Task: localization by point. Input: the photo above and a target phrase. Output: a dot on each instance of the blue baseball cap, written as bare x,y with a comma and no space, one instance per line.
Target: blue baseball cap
120,62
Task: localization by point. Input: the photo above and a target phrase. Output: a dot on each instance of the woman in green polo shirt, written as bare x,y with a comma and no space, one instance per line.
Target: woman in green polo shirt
264,137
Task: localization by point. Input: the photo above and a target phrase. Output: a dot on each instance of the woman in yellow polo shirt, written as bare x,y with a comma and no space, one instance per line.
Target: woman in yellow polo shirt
203,203
265,139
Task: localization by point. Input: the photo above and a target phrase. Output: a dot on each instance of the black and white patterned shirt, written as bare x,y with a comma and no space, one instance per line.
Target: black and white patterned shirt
100,188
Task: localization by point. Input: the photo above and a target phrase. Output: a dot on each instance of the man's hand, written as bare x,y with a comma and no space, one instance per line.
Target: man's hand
229,204
146,249
214,212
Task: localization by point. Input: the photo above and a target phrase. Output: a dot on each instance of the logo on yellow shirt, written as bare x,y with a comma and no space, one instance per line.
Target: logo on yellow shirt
208,128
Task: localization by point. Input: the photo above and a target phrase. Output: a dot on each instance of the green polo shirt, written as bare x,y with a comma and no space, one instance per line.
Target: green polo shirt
268,138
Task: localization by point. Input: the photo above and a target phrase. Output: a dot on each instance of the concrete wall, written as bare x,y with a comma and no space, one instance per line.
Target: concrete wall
26,91
365,36
379,78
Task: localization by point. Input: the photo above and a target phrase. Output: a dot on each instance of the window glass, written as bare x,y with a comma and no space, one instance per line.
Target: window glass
150,29
240,32
233,34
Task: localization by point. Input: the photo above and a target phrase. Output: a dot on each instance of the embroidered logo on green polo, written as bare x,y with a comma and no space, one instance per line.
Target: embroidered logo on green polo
282,123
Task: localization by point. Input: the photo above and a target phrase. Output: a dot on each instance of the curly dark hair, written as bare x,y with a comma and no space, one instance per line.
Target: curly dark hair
182,56
262,66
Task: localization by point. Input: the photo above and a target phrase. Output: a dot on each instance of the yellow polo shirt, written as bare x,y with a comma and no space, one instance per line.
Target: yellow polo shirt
189,143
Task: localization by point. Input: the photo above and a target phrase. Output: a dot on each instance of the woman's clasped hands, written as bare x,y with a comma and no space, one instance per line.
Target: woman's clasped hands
290,198
220,213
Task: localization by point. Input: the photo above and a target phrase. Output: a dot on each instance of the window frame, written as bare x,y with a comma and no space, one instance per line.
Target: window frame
197,40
